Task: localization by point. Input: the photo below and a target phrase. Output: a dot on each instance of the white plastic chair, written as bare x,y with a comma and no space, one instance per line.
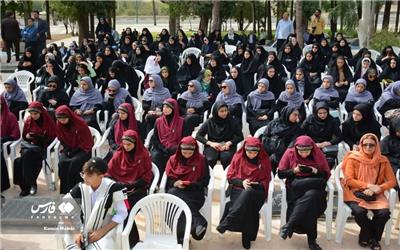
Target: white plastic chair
374,54
49,160
156,177
396,50
9,156
102,124
161,213
376,112
230,49
344,211
191,50
148,139
98,142
24,79
260,131
138,109
266,209
328,211
398,216
141,76
206,209
36,91
306,49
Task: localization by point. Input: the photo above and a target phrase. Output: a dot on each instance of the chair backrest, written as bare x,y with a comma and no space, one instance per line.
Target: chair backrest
148,138
156,177
260,131
338,184
161,213
396,50
306,49
398,177
24,79
191,50
138,109
374,54
96,138
141,76
229,49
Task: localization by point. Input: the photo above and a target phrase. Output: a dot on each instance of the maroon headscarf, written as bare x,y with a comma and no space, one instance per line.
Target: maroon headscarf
8,121
76,133
127,167
180,168
43,127
120,127
241,168
317,160
170,134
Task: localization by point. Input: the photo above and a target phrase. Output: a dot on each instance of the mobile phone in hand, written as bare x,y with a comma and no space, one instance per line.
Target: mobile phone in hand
305,169
186,183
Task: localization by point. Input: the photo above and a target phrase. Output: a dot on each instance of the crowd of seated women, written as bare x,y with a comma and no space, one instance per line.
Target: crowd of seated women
295,102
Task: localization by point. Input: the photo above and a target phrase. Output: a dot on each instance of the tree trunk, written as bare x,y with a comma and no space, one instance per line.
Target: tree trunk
253,15
269,30
359,9
172,24
333,21
299,23
241,19
3,10
91,23
397,18
216,15
178,23
48,18
376,8
291,9
154,13
204,23
83,26
114,18
386,15
27,10
365,31
65,22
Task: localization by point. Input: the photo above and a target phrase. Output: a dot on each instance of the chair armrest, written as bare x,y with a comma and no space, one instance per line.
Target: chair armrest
163,183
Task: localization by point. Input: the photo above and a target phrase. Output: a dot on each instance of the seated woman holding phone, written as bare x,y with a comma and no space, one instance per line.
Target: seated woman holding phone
306,172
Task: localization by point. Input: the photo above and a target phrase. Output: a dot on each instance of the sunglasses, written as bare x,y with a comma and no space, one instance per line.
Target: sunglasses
369,145
112,90
52,86
224,87
151,80
191,85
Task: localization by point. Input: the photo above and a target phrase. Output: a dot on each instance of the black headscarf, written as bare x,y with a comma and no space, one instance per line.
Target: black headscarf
282,127
220,129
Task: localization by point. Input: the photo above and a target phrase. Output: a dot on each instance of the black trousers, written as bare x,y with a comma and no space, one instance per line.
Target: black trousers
193,121
303,212
370,229
242,213
213,156
279,43
69,169
194,200
315,38
159,158
5,180
27,169
9,45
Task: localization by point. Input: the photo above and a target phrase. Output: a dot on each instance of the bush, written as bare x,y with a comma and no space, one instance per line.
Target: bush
384,38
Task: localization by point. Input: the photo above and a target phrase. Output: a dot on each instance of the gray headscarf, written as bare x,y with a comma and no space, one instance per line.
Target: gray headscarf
16,95
363,97
120,95
295,100
195,99
323,94
256,98
232,97
86,99
158,94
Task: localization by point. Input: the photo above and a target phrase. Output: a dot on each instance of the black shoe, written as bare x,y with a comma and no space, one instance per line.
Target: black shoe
374,244
363,243
285,231
24,193
8,60
312,245
200,229
33,190
246,243
221,229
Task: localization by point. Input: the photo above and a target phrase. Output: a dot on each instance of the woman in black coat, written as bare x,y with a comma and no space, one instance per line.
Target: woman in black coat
188,71
247,69
360,122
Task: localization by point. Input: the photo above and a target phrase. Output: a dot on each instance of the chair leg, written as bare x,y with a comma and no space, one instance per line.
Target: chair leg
388,231
341,219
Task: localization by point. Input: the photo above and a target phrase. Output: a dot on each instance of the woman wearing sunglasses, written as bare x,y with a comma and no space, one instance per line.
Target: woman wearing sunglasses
54,96
367,175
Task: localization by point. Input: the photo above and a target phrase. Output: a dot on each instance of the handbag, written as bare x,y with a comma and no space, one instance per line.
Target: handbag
331,150
27,146
308,183
359,194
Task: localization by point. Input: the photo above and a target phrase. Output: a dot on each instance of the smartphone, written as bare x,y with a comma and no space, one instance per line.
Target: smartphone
305,169
186,183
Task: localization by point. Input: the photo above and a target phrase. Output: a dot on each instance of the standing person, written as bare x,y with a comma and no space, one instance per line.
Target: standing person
10,34
42,29
28,34
316,27
283,30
